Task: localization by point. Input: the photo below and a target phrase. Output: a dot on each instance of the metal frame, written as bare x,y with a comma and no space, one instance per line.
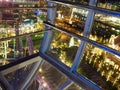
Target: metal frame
21,62
94,8
31,76
4,83
90,17
106,48
51,16
21,65
86,33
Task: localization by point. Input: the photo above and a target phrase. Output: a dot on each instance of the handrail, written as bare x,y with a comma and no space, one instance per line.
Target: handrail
106,48
94,8
17,62
32,74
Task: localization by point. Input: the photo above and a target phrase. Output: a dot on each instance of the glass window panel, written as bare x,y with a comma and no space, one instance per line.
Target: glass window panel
106,30
71,19
13,49
101,67
64,47
35,86
32,43
37,40
74,86
109,4
17,77
51,76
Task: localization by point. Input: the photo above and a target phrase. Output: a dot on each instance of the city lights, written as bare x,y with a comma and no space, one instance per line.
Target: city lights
40,70
82,38
44,84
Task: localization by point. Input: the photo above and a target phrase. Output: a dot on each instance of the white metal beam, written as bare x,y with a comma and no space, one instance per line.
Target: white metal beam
86,33
51,16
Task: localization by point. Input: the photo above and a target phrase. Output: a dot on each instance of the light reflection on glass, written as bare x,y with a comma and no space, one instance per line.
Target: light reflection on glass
101,67
105,30
64,47
109,4
71,19
16,78
13,49
53,78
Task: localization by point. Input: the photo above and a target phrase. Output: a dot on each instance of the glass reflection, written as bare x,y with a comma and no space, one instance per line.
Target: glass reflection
106,30
71,19
14,49
17,77
109,4
64,47
53,78
31,44
101,67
